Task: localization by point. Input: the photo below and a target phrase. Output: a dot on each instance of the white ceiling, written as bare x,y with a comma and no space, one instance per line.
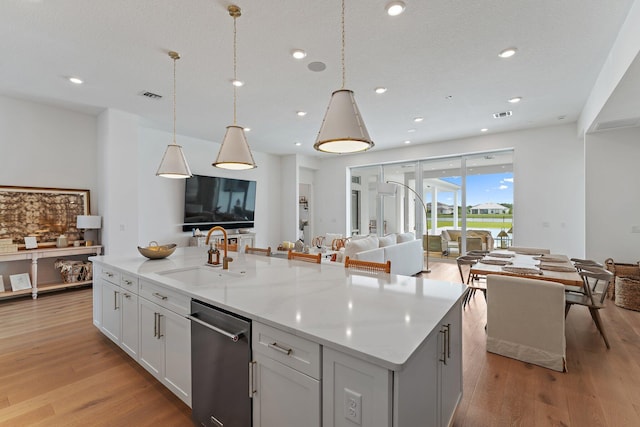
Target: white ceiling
435,50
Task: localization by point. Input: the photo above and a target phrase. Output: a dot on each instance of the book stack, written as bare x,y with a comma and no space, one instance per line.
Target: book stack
7,246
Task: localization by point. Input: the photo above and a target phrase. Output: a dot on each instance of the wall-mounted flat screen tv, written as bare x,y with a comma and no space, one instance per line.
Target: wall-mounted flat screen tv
212,200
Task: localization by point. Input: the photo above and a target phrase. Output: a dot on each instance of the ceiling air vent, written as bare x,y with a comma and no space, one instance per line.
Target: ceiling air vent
618,124
502,115
151,95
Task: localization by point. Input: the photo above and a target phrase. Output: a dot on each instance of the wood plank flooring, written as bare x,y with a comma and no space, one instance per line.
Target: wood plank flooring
56,369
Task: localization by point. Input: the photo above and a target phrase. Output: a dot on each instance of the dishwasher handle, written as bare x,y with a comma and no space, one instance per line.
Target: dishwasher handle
234,337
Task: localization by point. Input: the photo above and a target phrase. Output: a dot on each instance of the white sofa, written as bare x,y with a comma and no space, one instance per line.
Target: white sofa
403,250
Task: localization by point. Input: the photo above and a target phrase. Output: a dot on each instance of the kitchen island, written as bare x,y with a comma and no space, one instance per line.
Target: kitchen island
370,350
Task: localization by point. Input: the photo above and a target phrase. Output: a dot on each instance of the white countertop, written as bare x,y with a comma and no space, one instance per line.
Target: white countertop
382,319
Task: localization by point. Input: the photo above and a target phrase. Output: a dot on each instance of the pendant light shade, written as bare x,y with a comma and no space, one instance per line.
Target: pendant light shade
343,130
173,164
234,152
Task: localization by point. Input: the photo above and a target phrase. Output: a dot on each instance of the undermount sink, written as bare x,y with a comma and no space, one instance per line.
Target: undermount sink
201,275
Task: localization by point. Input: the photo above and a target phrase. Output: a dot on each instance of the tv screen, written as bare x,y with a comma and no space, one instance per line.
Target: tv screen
211,201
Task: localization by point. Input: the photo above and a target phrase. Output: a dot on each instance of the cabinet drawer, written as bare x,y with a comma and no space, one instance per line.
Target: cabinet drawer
129,282
165,297
110,274
293,351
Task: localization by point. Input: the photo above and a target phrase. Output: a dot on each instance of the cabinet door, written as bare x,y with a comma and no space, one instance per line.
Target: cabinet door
129,312
176,331
284,396
451,372
151,342
111,301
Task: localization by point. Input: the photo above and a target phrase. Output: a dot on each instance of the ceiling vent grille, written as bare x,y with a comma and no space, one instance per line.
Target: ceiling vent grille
618,124
150,95
502,115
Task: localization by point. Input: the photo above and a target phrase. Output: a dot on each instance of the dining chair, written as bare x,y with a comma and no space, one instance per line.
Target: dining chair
591,298
317,258
473,282
580,261
258,251
525,320
370,266
478,253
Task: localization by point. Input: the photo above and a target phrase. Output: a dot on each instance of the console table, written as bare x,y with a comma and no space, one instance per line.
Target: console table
34,255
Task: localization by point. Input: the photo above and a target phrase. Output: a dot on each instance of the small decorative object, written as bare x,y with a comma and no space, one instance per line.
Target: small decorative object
155,251
61,241
74,271
20,281
30,242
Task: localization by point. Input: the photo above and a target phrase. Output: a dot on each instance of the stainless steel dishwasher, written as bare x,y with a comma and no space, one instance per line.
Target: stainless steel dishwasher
220,357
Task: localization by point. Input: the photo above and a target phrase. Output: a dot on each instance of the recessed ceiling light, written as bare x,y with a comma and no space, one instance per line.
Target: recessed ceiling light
297,144
407,142
418,119
298,53
75,80
411,130
484,130
237,83
515,100
508,53
381,89
301,113
395,8
247,129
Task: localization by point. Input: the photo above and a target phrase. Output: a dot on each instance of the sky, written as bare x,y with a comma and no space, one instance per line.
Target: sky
487,188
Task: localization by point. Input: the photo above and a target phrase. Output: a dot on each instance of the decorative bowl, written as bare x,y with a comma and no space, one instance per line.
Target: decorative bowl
154,251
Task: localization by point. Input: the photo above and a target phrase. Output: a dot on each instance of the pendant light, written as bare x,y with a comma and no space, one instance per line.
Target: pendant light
235,152
173,164
343,130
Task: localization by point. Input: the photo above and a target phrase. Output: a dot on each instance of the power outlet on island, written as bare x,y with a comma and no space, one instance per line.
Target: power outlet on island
353,406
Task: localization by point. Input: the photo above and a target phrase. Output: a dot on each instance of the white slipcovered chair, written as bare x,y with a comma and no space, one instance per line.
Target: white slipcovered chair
525,320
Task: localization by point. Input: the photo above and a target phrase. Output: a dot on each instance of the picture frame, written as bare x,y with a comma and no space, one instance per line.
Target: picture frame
1,284
20,281
41,212
30,242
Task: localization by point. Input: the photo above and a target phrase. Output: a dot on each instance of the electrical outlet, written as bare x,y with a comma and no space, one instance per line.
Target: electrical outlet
353,406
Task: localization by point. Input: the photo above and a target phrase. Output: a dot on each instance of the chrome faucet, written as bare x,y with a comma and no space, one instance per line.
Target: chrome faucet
225,259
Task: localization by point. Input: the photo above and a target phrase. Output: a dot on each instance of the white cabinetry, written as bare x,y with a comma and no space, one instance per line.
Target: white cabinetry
119,308
165,338
425,392
287,379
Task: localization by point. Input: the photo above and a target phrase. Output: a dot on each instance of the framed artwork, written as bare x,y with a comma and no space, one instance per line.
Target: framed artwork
20,281
43,213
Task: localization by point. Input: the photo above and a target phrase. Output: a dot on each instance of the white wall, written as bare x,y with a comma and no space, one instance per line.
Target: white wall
613,201
548,183
161,200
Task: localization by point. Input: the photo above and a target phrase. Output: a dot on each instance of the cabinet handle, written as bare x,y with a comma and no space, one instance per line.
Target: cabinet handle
127,296
448,340
128,282
108,274
252,388
115,300
155,325
159,326
443,359
282,350
157,295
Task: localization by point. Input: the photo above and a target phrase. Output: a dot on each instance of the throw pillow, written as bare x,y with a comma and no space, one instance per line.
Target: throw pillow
445,235
355,246
406,237
388,240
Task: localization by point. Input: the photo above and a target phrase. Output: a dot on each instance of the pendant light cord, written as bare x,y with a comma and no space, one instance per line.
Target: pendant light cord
343,43
174,100
235,66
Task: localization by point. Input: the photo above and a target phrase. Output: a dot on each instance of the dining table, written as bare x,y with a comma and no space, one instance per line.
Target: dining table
550,267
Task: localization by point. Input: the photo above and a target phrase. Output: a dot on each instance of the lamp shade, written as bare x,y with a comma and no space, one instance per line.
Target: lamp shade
343,130
174,164
387,189
234,152
503,234
89,222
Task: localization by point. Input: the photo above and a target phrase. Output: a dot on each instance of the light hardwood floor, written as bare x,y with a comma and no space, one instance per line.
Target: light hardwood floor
56,369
